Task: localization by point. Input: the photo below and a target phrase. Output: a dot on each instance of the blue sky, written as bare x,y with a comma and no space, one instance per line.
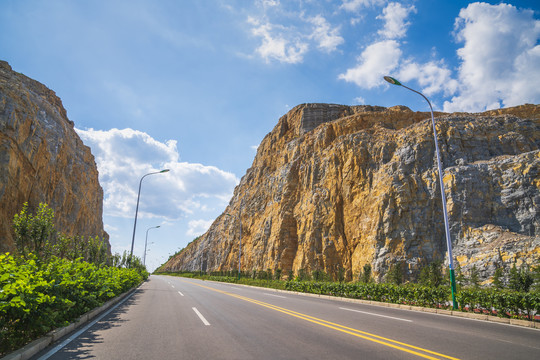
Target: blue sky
195,85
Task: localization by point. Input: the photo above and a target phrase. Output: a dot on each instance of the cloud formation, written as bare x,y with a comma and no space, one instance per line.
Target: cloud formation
124,156
376,61
356,5
326,37
278,43
395,24
499,59
288,36
497,49
198,227
384,57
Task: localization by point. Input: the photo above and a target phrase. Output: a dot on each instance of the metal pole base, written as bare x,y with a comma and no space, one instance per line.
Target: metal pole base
453,285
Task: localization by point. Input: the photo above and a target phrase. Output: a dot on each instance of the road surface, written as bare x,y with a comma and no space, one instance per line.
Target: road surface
178,318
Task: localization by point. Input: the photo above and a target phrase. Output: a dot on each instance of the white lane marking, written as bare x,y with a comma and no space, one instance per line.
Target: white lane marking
181,293
368,313
76,335
279,296
205,322
172,286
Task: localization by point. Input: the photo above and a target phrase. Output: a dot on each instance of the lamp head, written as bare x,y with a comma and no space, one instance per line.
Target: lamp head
391,80
164,171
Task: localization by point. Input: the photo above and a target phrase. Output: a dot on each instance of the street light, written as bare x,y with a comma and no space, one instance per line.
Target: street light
137,210
443,197
146,241
240,247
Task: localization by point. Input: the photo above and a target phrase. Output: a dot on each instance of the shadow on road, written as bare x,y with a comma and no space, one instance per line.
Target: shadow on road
80,347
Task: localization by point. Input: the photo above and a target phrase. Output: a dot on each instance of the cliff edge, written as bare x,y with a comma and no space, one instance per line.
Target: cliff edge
42,159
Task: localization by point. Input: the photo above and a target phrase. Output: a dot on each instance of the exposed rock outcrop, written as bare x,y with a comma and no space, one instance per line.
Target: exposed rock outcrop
336,186
42,159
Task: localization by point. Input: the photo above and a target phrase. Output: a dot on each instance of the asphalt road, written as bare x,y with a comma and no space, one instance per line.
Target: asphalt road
177,318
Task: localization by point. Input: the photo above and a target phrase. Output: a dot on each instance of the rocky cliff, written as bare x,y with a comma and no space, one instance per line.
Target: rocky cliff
337,186
42,159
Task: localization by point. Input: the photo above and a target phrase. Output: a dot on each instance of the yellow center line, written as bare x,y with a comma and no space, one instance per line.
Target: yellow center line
358,333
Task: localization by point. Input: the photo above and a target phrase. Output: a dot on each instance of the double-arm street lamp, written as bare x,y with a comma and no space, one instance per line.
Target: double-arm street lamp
146,242
137,210
443,197
240,247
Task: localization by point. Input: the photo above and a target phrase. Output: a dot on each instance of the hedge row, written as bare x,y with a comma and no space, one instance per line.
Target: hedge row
37,297
503,303
399,294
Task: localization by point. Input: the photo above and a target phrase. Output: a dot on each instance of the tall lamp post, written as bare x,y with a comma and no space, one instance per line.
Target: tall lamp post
137,210
240,247
443,196
146,242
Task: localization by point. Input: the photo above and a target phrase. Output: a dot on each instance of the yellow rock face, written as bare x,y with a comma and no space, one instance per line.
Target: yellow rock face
42,159
336,187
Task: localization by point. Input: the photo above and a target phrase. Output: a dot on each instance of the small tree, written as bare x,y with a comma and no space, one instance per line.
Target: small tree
474,277
302,275
431,275
316,275
460,278
365,275
536,276
435,273
520,280
498,278
290,277
395,273
341,274
33,232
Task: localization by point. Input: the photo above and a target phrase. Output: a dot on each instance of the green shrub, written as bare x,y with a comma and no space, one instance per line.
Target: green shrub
503,303
33,232
395,273
37,296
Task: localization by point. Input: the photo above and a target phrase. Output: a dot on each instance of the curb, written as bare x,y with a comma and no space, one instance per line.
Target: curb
30,349
468,315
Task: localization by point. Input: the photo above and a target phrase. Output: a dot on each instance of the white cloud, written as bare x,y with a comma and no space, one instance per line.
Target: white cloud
278,43
360,100
198,227
382,57
328,38
287,36
433,77
500,57
377,60
270,3
356,5
385,58
124,156
394,16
